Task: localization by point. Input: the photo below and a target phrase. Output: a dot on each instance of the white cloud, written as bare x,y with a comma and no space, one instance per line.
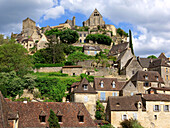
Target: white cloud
54,13
149,17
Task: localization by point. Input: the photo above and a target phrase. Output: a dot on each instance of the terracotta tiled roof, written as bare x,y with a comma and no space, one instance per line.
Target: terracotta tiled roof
158,62
118,48
91,48
152,76
156,97
80,88
29,113
125,103
107,84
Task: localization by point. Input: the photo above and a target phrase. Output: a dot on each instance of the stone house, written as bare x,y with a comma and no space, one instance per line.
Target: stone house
131,67
28,27
42,43
149,109
129,89
162,56
155,90
36,114
163,68
74,70
143,80
36,36
106,87
117,49
123,58
91,50
83,92
82,36
28,43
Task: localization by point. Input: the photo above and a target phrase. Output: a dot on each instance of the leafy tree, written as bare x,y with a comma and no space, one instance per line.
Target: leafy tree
13,57
52,88
121,32
69,36
99,111
99,38
54,31
131,123
78,56
53,120
152,57
29,82
130,41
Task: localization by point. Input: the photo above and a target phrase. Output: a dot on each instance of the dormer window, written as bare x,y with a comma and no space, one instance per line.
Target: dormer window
157,78
59,116
146,77
80,117
85,87
113,84
42,117
102,84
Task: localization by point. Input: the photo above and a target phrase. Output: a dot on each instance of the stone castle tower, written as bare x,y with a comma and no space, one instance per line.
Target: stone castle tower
94,20
28,27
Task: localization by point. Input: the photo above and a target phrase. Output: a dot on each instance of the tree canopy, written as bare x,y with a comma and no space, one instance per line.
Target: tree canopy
122,32
99,38
14,57
152,57
130,41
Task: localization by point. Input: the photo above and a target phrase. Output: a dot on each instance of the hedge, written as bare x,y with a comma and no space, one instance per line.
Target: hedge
57,74
49,65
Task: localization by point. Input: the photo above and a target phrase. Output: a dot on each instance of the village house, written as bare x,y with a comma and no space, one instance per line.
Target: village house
131,67
83,92
155,90
35,114
91,50
162,56
162,68
143,80
74,70
149,109
106,87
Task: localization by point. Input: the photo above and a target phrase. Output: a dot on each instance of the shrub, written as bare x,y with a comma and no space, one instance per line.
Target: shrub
131,123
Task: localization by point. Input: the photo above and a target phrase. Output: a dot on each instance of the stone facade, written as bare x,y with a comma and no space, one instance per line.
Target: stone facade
42,43
94,20
82,36
149,110
28,27
72,70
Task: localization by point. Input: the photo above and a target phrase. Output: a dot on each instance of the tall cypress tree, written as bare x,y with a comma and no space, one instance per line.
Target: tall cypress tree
130,41
53,120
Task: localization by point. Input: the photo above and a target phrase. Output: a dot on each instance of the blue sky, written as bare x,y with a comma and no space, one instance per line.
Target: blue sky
149,20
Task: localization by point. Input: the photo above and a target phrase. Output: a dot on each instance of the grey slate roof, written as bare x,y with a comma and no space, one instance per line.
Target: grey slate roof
158,62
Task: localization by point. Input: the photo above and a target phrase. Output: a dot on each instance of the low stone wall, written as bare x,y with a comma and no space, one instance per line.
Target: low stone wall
48,69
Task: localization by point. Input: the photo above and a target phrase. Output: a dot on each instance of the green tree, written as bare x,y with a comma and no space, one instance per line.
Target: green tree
130,41
99,38
131,123
99,111
152,57
2,40
121,32
69,36
13,57
29,82
53,120
78,56
54,31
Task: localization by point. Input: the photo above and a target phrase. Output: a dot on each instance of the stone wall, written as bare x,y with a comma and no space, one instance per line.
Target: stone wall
72,71
48,69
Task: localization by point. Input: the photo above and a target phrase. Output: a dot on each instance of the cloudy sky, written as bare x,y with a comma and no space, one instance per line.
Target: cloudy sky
149,20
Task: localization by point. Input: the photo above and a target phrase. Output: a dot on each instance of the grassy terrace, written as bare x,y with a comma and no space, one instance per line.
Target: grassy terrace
54,75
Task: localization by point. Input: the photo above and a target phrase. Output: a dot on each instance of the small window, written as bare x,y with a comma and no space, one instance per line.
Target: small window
30,45
80,118
84,35
113,84
88,52
102,96
85,87
74,74
166,69
135,116
95,52
102,84
80,35
157,78
124,117
155,117
166,77
166,108
146,84
133,72
42,118
131,94
80,40
59,119
146,77
84,41
86,98
156,108
115,93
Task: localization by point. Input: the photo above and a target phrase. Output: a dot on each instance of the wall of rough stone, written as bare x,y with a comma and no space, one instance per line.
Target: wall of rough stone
48,69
